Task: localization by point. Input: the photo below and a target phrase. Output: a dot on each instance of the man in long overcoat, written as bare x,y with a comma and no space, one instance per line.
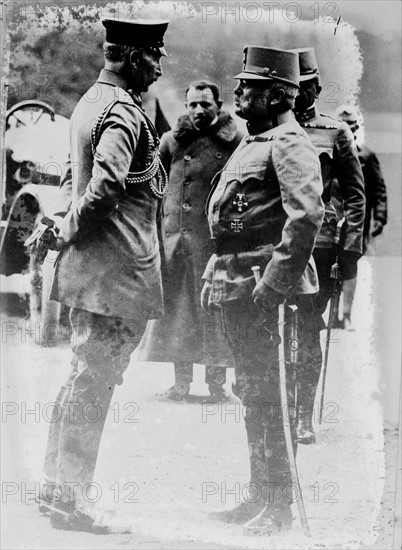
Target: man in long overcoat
108,269
266,211
192,153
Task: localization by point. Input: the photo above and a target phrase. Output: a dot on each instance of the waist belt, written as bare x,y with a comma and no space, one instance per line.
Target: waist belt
237,246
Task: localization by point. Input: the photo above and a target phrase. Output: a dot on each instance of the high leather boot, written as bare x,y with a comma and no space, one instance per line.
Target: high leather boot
256,493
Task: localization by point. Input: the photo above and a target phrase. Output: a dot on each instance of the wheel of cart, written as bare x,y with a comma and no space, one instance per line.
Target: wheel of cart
36,144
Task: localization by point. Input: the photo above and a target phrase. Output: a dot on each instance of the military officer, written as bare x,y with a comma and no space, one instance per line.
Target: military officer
108,268
192,153
376,204
265,210
339,161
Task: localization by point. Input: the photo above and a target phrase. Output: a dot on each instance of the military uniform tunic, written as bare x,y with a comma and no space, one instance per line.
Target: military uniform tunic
111,265
264,209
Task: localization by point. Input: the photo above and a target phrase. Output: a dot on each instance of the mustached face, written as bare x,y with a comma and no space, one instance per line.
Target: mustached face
146,68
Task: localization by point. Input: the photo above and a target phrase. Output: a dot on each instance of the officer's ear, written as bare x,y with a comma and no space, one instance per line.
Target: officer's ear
135,58
219,103
317,91
277,96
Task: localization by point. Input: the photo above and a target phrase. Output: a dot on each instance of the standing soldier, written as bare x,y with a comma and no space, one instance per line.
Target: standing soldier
338,158
192,154
265,210
376,204
108,269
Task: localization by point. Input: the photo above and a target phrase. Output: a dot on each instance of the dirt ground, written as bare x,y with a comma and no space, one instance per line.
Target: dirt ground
163,467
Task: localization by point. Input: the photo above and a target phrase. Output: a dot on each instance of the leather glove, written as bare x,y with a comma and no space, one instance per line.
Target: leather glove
266,297
348,264
205,294
378,226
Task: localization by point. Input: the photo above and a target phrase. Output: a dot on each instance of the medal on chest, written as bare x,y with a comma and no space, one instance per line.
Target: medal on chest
240,202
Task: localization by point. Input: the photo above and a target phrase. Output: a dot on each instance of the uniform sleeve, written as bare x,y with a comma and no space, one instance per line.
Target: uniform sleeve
351,183
298,172
379,191
112,161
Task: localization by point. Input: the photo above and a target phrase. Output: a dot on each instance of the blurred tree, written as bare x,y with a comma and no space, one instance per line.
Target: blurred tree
57,53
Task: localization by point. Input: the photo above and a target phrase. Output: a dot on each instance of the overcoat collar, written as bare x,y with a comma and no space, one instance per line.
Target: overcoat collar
224,130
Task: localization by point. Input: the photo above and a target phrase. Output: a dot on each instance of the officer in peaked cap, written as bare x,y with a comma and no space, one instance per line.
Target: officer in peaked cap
108,268
265,210
339,161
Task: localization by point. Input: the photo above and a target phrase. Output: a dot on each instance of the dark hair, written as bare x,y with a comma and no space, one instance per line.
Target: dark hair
116,52
203,85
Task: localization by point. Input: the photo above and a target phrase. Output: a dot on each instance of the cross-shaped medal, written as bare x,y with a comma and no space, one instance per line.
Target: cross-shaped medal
240,201
236,225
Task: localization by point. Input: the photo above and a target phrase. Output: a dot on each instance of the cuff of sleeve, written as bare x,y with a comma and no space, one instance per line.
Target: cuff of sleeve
209,270
279,286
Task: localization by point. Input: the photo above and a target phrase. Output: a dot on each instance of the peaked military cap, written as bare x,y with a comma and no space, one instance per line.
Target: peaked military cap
144,33
270,64
308,63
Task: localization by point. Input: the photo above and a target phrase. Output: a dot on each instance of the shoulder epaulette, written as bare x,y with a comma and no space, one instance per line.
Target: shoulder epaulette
250,139
318,125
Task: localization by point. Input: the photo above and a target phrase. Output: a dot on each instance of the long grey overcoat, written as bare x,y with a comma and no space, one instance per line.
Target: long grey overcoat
111,264
191,158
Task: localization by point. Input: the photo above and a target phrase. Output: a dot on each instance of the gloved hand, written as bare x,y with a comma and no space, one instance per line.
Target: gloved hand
205,294
348,264
266,297
378,226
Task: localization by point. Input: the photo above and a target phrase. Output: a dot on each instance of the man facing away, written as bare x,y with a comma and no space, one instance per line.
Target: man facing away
192,153
339,163
108,269
376,204
265,210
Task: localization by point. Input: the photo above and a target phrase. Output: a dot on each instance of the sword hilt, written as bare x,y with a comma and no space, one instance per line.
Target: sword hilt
257,274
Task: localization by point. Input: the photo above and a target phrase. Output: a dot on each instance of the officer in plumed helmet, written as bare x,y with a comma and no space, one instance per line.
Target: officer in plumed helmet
265,210
108,268
339,163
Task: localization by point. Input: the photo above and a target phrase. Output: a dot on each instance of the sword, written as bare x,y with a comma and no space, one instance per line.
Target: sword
333,311
284,404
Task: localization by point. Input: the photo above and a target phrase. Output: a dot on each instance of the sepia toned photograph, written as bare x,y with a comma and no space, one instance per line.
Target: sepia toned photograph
200,275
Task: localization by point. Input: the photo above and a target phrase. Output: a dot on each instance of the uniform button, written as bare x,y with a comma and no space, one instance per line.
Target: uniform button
183,230
167,234
186,206
218,155
186,181
187,158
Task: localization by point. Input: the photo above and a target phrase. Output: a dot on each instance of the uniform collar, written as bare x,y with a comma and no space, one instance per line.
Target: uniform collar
112,78
307,115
